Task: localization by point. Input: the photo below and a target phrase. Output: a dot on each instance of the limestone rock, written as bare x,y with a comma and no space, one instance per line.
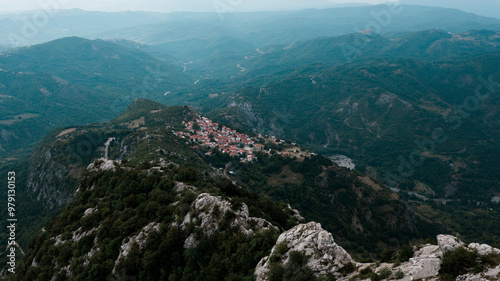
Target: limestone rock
325,256
103,164
88,211
447,243
493,273
140,239
296,214
208,211
180,187
483,249
425,263
490,274
470,277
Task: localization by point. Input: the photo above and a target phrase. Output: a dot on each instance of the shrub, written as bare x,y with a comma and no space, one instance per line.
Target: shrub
385,273
281,248
347,268
297,269
491,259
387,255
399,275
405,253
457,262
276,272
365,273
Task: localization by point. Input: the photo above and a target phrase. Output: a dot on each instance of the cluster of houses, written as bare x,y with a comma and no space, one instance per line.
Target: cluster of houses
209,134
204,132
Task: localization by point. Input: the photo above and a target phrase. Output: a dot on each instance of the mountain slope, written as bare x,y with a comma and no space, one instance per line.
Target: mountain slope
93,63
380,112
157,209
73,81
127,222
33,104
141,142
205,38
427,45
202,34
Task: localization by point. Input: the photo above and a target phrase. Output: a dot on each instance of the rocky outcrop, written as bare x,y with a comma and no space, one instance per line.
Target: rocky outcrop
324,255
296,214
56,167
448,243
488,275
140,239
425,263
46,179
483,249
326,258
103,164
209,211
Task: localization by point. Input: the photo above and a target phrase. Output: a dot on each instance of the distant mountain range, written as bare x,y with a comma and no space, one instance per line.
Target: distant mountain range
488,8
201,32
428,45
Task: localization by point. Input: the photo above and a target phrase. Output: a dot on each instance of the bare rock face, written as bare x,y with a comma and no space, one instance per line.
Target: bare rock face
46,179
296,214
140,239
488,275
103,164
483,249
325,256
447,243
470,277
425,263
208,211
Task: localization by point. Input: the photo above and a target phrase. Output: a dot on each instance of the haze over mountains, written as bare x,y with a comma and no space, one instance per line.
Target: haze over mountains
489,8
409,94
481,7
254,28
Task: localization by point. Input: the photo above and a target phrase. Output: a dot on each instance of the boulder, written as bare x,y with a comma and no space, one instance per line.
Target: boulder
447,243
324,255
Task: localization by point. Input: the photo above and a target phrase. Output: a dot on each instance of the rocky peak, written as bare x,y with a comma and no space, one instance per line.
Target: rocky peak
209,211
324,255
325,258
103,164
447,243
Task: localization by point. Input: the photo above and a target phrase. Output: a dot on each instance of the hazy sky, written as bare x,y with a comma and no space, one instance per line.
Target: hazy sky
175,5
483,7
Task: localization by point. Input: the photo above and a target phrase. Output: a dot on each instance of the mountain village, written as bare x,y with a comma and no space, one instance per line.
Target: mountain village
204,132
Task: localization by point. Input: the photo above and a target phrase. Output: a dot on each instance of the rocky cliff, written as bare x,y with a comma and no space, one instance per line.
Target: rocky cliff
450,259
